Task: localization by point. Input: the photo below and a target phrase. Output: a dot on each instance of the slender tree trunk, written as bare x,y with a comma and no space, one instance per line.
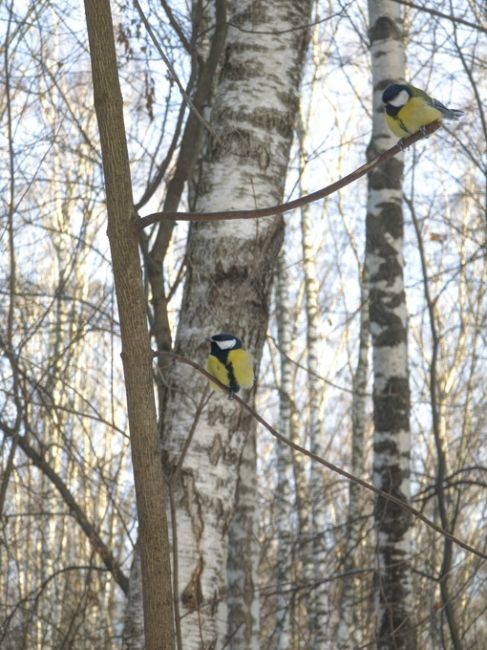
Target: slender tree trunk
440,438
284,460
230,267
319,602
350,627
136,351
388,325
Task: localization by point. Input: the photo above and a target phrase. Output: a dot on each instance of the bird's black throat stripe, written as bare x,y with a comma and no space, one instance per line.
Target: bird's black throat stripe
232,382
392,110
403,126
222,356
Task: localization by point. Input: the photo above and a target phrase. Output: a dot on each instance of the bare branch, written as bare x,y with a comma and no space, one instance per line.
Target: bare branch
75,509
325,463
227,215
434,12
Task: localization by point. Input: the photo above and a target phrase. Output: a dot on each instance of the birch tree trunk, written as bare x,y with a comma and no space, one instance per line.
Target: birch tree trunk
229,271
243,549
388,325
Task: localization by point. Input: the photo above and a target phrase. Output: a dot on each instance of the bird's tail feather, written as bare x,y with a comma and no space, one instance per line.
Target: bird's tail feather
452,114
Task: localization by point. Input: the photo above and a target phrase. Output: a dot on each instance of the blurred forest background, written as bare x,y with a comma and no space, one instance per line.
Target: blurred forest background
68,525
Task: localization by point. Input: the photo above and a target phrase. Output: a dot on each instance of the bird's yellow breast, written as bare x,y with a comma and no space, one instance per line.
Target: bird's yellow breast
243,368
412,116
216,368
239,363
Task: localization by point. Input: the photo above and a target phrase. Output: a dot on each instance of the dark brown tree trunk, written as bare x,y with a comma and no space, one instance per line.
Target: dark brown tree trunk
136,352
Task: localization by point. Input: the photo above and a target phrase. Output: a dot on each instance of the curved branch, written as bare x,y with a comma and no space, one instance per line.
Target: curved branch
143,222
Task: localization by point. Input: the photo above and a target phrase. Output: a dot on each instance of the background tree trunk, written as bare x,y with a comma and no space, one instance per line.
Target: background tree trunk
284,494
350,630
388,326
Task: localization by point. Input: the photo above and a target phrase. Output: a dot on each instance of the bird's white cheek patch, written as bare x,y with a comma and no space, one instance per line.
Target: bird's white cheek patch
401,99
225,345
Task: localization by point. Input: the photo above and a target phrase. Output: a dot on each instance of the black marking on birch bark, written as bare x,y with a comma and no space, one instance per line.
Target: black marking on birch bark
216,450
388,221
234,273
391,407
393,331
384,28
394,520
392,582
238,70
387,176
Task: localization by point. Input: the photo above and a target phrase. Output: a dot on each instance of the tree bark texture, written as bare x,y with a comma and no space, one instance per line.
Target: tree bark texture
230,266
388,326
136,350
243,549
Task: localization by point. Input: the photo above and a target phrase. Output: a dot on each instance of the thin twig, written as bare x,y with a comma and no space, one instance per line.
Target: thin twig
439,14
170,68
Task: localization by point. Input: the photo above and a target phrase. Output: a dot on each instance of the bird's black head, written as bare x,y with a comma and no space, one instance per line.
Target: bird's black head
396,95
221,344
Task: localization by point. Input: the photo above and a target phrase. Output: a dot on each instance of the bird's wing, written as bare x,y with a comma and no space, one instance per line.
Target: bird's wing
417,92
448,113
438,105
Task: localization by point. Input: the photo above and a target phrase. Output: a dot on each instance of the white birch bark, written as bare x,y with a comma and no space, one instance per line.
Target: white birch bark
388,325
228,282
133,625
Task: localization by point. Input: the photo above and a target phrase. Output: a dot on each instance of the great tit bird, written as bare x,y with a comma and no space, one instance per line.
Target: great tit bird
408,109
230,363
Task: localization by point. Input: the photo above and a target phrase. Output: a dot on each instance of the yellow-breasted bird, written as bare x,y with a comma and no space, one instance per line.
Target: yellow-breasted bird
409,109
230,363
